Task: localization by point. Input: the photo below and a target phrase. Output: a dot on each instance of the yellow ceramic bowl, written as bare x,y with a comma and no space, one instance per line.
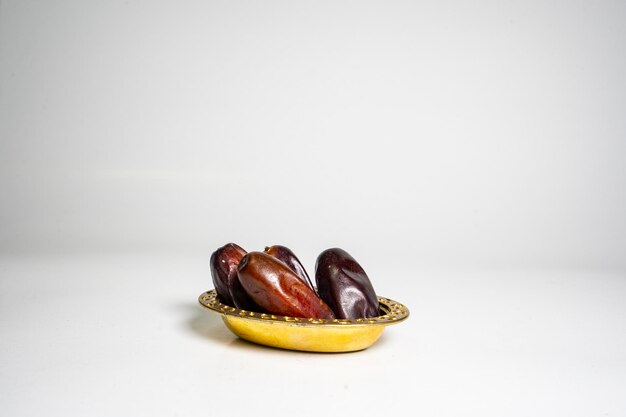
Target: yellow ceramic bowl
313,335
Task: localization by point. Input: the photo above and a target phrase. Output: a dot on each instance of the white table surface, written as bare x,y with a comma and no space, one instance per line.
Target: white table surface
124,335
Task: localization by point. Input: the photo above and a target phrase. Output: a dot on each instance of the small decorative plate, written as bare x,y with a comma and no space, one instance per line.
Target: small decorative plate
307,334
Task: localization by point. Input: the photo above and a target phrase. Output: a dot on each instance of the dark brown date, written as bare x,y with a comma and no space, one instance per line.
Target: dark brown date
277,289
286,255
224,262
344,286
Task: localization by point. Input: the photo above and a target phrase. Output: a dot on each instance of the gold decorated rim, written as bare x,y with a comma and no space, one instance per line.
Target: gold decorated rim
391,312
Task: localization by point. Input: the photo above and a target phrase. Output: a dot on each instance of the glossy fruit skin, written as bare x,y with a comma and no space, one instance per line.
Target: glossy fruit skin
286,255
344,286
223,263
277,289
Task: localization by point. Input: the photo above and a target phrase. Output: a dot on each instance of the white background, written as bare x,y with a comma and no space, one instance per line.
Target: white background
469,154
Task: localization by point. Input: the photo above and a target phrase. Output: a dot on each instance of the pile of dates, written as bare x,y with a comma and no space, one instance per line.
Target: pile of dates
274,281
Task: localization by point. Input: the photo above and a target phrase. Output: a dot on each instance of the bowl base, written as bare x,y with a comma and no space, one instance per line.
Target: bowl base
305,338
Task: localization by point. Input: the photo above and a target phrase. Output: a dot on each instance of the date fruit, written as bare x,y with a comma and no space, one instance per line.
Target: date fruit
286,255
223,263
344,286
277,289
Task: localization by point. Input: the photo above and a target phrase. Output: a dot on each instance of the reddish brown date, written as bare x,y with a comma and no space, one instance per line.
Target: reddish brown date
277,289
344,286
223,263
286,255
